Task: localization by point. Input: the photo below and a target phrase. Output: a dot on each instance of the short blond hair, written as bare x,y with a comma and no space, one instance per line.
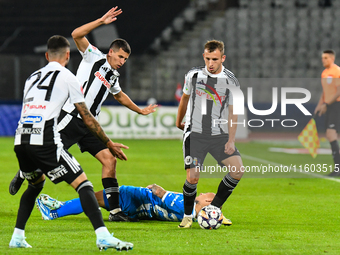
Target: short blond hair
212,45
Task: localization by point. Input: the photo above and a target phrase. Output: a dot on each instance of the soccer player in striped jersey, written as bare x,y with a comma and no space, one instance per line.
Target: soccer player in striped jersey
205,101
150,203
98,75
38,145
329,104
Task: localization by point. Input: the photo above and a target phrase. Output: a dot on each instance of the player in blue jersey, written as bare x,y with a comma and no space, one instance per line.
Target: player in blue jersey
152,202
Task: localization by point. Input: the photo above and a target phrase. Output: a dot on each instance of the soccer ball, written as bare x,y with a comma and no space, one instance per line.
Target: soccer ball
210,217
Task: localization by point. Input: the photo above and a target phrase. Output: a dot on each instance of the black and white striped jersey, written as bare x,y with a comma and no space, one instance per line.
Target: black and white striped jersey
209,99
45,93
98,79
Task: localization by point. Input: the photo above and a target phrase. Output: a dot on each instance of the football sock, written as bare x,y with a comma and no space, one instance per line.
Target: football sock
226,187
70,207
27,202
89,204
189,195
335,153
100,230
19,232
112,193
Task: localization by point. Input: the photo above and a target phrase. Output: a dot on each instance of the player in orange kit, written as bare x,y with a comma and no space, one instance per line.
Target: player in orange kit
329,104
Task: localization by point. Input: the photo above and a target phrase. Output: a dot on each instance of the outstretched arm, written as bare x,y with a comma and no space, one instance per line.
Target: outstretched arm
93,125
123,99
79,33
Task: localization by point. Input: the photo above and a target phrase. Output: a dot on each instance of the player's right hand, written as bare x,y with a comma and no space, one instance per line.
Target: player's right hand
116,150
111,15
181,126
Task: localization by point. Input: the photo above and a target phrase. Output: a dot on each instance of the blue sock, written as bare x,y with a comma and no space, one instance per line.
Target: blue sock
70,207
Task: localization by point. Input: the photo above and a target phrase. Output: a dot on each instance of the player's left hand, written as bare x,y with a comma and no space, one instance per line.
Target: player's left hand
229,148
116,149
111,15
323,109
149,109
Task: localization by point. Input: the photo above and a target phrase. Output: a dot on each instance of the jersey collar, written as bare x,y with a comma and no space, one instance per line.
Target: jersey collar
108,67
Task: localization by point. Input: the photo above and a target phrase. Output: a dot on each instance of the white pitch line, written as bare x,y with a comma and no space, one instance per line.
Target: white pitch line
278,164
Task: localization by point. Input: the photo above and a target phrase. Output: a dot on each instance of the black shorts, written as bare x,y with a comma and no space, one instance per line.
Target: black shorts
332,116
56,163
77,132
196,147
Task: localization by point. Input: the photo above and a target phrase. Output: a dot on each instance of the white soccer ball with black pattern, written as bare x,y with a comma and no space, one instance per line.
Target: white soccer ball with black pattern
210,217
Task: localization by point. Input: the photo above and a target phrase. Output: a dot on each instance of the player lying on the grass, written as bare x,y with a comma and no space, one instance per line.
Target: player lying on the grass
152,202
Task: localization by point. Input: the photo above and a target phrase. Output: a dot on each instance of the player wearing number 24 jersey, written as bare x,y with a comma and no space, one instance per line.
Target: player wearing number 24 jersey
40,151
99,77
41,108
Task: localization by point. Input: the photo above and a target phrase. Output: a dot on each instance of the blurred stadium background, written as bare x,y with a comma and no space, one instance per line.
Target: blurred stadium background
269,43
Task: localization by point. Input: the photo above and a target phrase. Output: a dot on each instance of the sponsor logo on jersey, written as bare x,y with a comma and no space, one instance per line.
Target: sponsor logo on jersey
34,106
31,119
201,92
28,131
209,95
57,172
102,79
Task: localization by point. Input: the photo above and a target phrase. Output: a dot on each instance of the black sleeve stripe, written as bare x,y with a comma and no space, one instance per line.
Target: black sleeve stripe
232,77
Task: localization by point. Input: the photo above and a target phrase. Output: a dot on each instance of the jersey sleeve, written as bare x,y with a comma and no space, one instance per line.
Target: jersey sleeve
174,202
75,89
236,84
91,54
187,84
115,89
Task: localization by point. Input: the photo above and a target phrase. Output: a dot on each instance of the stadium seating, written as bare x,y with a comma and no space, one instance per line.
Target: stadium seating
261,41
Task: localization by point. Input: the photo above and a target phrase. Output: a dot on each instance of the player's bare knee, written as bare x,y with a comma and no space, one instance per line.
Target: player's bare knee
238,173
192,180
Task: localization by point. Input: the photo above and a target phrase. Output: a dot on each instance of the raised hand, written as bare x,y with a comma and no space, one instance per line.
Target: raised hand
111,15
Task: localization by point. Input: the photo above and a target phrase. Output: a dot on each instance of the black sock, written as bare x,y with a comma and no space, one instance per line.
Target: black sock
27,204
226,187
112,192
90,205
189,195
335,153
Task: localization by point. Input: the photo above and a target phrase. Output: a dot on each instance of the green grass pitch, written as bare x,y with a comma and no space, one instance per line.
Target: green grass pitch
270,215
